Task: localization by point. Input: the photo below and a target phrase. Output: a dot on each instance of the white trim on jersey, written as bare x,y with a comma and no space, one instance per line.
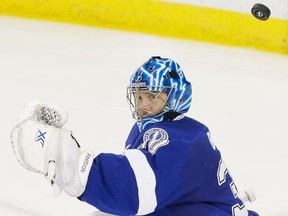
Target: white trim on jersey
179,117
145,179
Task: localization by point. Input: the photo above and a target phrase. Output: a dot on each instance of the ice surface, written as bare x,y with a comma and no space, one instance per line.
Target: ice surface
241,94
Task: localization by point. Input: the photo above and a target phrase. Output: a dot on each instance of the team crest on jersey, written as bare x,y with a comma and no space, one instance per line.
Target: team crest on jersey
154,138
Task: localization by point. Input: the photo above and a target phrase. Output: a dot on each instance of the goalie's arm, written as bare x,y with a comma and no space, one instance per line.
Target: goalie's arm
121,184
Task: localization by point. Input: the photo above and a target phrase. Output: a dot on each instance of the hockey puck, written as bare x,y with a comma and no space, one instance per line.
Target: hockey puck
261,12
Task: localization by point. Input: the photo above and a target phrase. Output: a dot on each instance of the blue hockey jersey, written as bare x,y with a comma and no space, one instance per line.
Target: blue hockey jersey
170,168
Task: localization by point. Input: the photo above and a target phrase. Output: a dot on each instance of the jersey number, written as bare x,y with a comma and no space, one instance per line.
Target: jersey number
222,172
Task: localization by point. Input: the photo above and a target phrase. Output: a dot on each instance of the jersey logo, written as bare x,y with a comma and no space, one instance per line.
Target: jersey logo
154,138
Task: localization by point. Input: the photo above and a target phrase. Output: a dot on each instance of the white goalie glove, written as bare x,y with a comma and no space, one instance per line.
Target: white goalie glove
42,145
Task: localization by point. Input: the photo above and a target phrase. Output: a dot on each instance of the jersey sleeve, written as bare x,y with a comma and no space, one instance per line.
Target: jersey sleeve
121,184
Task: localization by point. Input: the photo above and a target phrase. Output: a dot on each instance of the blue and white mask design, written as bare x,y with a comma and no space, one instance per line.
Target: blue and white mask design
155,76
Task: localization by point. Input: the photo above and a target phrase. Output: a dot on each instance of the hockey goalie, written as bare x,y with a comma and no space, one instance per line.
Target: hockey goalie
170,166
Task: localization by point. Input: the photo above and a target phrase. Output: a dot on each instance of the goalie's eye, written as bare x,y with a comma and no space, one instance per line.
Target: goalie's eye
147,97
153,96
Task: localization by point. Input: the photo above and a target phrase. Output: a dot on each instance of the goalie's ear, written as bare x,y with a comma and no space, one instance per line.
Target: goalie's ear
44,112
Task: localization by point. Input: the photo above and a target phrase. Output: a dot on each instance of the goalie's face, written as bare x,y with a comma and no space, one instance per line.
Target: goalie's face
147,103
150,103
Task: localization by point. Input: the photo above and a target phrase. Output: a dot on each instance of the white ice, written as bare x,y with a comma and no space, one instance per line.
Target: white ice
240,94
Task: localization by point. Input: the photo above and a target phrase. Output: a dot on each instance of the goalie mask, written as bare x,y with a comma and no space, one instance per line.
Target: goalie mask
164,80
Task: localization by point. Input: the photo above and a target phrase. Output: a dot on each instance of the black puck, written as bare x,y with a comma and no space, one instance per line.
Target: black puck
260,11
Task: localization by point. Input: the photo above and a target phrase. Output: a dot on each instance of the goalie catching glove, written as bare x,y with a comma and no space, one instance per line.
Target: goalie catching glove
41,145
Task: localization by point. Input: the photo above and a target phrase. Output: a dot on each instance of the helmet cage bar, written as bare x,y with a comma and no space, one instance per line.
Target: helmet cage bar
133,93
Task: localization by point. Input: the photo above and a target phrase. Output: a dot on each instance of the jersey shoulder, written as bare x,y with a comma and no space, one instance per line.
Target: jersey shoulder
183,128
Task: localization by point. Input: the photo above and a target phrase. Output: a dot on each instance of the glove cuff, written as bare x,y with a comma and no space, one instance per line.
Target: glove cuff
78,185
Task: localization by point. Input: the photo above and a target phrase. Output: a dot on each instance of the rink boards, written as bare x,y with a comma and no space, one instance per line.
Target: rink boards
161,18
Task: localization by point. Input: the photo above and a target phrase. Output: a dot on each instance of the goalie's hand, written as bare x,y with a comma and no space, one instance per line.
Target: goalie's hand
51,150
